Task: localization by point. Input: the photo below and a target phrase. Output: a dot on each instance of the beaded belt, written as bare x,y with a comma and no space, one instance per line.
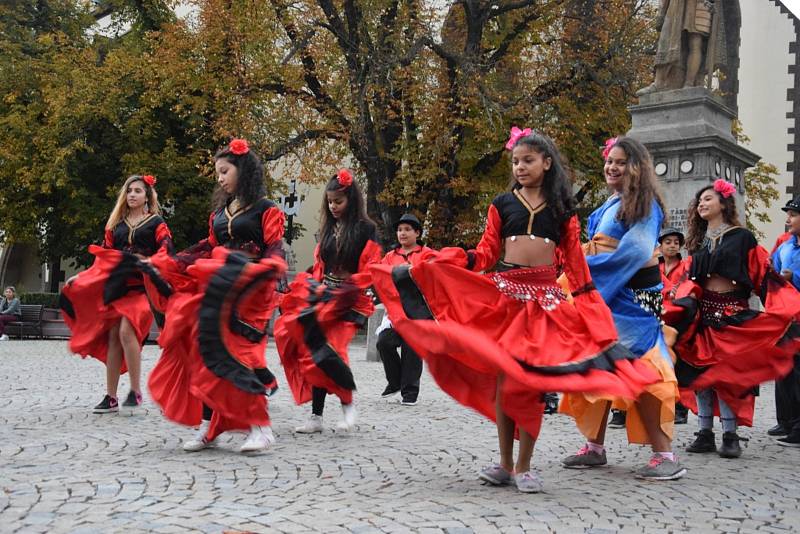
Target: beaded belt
332,281
531,284
650,301
716,306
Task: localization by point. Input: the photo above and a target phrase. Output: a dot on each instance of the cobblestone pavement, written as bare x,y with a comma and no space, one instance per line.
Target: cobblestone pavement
63,469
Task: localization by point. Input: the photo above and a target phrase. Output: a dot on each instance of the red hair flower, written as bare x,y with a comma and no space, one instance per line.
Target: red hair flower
724,188
239,147
608,146
149,180
344,177
515,136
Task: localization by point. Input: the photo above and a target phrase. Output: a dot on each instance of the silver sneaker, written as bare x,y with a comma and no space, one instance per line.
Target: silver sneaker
661,468
528,482
496,475
584,459
200,441
313,425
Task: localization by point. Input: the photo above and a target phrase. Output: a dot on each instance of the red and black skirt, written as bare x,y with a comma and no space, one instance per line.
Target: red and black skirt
101,296
214,341
472,328
732,349
318,320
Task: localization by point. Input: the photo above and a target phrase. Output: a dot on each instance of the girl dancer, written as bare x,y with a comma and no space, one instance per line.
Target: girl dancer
496,342
323,310
730,348
105,306
623,233
213,370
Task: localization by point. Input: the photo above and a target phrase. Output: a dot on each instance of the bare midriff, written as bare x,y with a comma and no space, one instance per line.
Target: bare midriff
718,283
529,252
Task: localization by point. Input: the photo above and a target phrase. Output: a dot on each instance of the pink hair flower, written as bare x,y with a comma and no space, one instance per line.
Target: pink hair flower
608,146
516,135
344,177
149,180
239,147
724,188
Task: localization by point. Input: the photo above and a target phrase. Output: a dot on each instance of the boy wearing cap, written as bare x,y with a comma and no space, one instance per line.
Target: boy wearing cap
671,265
402,371
786,260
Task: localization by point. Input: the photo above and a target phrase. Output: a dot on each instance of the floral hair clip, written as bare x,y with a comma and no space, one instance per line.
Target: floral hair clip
516,135
239,147
149,180
608,146
344,177
724,188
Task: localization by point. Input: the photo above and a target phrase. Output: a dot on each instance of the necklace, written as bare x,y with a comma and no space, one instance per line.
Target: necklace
715,234
337,231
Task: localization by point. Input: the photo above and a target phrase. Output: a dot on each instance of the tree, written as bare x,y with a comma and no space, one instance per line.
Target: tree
78,118
419,99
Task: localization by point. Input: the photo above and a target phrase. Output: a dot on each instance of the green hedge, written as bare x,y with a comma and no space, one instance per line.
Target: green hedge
49,300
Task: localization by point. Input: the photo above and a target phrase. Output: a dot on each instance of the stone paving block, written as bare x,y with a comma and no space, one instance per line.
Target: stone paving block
400,471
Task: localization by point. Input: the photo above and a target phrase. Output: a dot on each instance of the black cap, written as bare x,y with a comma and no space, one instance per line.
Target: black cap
671,230
410,219
793,205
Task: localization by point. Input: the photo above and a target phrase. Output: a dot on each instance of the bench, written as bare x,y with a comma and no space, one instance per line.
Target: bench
31,321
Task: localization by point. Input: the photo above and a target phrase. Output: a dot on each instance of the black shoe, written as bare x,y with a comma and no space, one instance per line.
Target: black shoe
792,440
550,403
390,392
132,403
409,402
778,430
703,443
617,419
681,414
109,404
730,445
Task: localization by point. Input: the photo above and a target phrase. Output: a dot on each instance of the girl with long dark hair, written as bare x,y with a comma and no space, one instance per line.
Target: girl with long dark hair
726,348
105,307
497,342
623,233
213,370
323,310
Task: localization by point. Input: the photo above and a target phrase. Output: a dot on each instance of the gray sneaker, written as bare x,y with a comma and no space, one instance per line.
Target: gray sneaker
528,482
496,475
584,459
660,468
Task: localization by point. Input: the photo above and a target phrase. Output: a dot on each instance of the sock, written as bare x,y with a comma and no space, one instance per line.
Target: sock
594,447
668,455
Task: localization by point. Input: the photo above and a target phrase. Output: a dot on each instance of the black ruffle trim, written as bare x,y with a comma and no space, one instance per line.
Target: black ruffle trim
222,290
327,359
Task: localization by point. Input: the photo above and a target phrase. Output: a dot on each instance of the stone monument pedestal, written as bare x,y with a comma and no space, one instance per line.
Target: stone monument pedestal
373,323
688,134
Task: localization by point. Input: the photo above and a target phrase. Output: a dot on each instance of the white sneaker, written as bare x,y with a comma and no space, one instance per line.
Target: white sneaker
349,417
4,338
199,441
313,425
260,438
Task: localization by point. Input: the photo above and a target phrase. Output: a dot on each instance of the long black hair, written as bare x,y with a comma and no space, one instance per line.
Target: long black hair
557,186
357,227
250,185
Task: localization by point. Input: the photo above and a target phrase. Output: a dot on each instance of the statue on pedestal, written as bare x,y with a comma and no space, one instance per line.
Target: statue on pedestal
694,43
